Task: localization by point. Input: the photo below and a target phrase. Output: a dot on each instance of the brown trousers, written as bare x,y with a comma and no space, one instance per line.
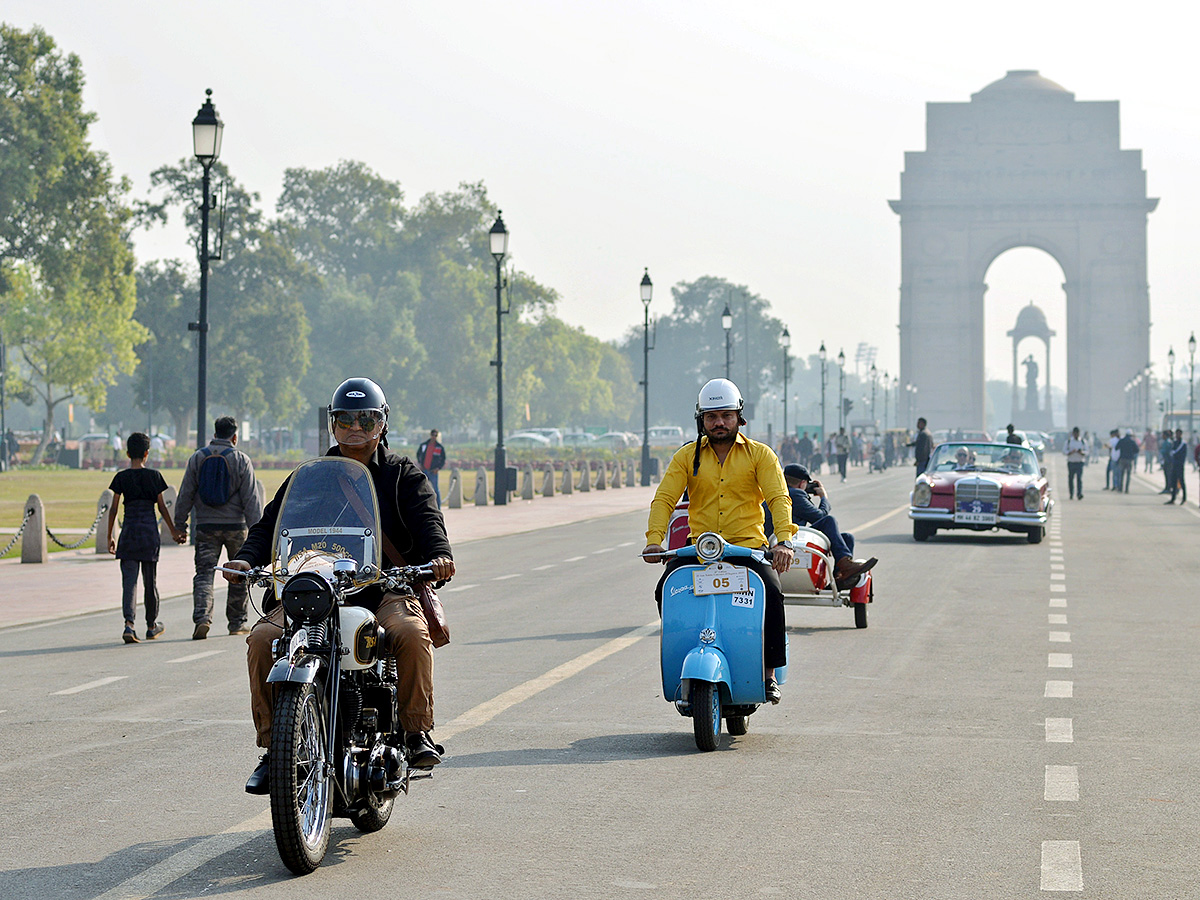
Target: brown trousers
407,638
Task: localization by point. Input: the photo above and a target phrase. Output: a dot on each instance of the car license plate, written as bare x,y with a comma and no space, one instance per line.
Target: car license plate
720,578
975,512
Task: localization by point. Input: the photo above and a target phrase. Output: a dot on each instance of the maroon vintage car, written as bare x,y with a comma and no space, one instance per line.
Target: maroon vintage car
981,487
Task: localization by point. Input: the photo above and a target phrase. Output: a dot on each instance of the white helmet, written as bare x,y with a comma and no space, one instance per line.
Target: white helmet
720,393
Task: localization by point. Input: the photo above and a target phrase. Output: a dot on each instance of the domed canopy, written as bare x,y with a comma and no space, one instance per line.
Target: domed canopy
1031,322
1023,84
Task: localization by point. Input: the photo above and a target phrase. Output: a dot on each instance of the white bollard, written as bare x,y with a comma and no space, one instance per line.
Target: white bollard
102,507
602,476
631,475
527,482
33,541
585,476
567,487
548,480
170,495
616,475
455,489
481,490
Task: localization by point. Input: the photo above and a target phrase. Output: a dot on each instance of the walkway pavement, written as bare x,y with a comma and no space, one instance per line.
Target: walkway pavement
75,582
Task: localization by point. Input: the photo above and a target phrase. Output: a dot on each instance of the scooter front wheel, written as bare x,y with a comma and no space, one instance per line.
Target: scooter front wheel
706,714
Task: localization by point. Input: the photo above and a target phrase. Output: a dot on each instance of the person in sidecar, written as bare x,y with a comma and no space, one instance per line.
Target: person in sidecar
412,526
728,477
805,512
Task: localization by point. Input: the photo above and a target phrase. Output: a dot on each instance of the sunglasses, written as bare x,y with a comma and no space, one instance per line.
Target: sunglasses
367,421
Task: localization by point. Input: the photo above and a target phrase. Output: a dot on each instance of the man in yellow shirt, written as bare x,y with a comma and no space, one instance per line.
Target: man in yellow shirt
728,477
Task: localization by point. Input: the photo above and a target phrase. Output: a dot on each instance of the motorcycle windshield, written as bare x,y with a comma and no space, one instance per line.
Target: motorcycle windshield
329,512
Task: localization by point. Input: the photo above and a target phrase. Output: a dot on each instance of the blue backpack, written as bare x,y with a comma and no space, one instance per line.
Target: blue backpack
214,484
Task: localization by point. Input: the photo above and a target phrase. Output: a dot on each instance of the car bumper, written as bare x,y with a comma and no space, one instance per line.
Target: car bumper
944,518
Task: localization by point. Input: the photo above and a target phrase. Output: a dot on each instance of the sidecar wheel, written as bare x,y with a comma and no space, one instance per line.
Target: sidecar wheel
301,795
1036,533
860,615
374,814
737,725
706,714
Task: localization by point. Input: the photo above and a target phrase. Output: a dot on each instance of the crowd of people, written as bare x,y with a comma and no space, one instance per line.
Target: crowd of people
1120,452
841,450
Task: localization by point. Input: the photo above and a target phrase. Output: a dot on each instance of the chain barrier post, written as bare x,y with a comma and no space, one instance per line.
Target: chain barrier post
102,507
170,495
33,543
16,537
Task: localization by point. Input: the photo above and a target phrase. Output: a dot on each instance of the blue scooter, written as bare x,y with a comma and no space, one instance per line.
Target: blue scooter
712,638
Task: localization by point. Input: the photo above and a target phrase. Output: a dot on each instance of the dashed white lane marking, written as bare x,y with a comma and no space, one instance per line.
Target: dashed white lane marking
1060,588
189,658
99,682
1060,731
506,577
1062,783
1057,619
1060,661
628,544
461,587
1057,566
1060,689
574,558
1062,866
1058,576
1060,637
544,568
1058,602
605,550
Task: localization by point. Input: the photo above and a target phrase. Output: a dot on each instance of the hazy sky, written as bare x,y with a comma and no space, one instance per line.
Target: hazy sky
755,141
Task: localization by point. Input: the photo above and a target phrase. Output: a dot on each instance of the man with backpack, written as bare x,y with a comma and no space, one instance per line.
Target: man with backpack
219,490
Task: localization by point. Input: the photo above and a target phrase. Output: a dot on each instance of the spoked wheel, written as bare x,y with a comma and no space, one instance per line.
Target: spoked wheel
860,615
737,725
374,813
706,714
301,793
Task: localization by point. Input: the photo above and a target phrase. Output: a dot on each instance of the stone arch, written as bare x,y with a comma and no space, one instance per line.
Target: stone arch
1023,164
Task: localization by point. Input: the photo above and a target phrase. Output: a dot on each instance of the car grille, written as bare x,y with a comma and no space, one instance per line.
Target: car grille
983,489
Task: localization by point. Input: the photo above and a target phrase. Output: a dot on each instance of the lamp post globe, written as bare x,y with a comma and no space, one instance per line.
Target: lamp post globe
647,293
498,246
207,132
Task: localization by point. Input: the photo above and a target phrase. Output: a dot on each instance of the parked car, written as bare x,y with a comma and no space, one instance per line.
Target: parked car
527,440
665,436
981,487
618,440
578,439
554,435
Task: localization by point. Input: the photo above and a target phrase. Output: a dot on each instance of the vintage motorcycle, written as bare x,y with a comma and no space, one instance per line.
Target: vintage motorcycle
337,748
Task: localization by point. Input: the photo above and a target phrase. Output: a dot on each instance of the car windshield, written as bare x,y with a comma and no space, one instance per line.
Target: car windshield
1010,459
329,512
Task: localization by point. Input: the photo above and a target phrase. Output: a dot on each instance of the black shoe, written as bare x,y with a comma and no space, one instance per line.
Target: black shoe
260,781
1168,503
422,752
200,632
129,635
773,694
154,631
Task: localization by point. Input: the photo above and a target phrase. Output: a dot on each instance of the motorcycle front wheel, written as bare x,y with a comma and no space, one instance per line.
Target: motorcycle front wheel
301,793
706,714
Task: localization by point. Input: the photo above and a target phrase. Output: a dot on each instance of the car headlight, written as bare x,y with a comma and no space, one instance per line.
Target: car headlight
1033,499
922,494
307,598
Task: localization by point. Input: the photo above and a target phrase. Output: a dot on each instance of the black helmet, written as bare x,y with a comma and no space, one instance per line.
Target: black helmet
358,394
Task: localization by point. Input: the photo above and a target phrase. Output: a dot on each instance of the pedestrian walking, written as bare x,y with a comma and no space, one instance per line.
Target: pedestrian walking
218,491
922,445
1165,443
1110,471
137,549
1178,481
1076,450
1149,448
431,457
1127,453
841,443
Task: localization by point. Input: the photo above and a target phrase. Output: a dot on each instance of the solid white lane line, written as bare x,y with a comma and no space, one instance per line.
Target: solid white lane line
1060,689
180,659
1060,637
506,577
1062,866
158,876
1062,783
544,568
99,682
1060,661
1058,602
489,709
1060,731
461,587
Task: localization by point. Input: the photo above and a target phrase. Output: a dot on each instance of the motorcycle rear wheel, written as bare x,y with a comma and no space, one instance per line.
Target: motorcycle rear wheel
706,714
301,792
374,813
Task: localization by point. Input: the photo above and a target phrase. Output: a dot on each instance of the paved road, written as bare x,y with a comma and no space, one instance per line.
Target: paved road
1016,720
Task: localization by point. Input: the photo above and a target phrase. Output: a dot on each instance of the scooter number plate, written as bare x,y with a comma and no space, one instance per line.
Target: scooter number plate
720,578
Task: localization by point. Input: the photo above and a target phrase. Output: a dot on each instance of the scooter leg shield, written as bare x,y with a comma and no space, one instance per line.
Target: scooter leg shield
706,664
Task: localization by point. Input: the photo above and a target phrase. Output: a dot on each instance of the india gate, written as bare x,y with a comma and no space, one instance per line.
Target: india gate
1023,164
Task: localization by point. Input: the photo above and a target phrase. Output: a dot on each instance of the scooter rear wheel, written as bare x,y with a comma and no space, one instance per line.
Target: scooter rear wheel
706,714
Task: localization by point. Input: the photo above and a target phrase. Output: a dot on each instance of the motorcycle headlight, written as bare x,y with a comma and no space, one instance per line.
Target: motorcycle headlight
922,494
307,598
1033,499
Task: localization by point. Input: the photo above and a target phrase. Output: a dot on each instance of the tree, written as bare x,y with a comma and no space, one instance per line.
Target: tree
163,379
66,268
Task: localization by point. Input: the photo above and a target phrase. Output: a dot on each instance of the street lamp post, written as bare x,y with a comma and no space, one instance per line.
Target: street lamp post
1146,404
1171,364
1192,387
498,245
841,358
824,380
886,387
727,324
647,288
3,422
207,131
786,340
874,378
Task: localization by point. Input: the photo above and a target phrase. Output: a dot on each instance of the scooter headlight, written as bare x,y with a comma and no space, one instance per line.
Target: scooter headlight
922,493
710,546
